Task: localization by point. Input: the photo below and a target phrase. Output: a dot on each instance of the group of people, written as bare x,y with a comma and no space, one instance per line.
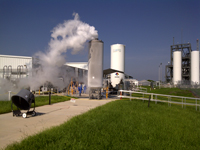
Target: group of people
81,89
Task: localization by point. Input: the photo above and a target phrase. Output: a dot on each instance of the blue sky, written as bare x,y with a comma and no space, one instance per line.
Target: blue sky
145,27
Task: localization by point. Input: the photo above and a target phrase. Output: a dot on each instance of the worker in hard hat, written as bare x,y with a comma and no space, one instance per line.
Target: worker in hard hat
79,89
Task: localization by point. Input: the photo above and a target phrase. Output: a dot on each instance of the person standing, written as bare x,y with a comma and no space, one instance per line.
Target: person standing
80,89
84,89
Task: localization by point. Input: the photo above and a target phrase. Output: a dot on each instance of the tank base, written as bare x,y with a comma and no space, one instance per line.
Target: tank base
95,93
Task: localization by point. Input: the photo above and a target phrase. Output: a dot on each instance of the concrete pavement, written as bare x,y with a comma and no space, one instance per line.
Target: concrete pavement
14,129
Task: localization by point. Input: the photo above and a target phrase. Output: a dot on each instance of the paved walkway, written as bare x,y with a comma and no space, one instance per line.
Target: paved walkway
14,129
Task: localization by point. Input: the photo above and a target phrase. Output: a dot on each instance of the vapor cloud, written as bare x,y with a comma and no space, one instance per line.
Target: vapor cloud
70,35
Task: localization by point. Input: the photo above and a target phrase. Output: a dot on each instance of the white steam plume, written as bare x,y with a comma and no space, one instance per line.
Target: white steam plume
70,35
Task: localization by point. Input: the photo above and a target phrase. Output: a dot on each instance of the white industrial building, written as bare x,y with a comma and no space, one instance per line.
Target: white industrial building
13,67
80,65
133,81
18,67
144,83
80,69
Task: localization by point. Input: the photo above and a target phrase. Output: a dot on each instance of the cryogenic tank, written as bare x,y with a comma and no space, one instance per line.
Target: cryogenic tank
95,64
117,63
194,67
177,64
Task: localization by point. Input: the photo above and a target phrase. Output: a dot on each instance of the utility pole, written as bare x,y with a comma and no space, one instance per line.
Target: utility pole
182,36
199,54
161,72
159,76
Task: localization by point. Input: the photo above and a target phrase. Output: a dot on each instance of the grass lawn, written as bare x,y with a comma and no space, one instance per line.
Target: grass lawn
171,91
39,101
122,124
196,91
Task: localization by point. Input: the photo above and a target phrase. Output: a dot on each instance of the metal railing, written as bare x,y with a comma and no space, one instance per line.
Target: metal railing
170,99
140,89
6,96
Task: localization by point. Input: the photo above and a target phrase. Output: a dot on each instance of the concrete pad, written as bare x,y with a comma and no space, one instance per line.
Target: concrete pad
14,129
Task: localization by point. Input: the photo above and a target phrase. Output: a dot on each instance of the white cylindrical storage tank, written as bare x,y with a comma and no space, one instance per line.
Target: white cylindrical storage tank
95,64
177,67
117,63
195,67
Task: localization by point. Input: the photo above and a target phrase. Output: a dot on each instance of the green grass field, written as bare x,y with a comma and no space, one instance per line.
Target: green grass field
122,124
39,101
171,91
196,92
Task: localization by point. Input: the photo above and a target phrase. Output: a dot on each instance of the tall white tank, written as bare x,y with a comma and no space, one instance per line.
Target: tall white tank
117,63
177,66
194,67
95,64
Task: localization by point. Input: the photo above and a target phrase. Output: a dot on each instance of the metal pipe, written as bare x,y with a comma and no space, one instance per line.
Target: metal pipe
21,70
149,100
18,70
10,67
9,95
196,104
49,97
4,70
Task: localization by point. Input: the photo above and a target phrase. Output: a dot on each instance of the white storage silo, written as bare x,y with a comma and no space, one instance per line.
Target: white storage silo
117,63
194,67
95,64
177,66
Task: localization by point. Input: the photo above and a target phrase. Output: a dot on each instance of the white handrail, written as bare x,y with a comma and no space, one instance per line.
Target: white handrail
154,97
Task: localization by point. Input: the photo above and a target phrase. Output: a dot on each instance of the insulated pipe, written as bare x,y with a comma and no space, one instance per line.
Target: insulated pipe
4,70
10,67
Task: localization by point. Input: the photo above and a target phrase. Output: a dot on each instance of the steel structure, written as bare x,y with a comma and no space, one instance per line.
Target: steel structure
185,63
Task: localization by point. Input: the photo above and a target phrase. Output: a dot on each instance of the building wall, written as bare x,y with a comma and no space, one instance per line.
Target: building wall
14,67
16,64
81,65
